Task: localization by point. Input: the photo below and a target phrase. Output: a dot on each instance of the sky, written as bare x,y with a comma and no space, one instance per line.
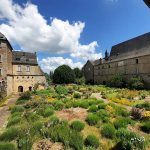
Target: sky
71,31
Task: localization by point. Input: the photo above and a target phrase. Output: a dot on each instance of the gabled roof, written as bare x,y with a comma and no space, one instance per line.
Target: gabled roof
135,44
24,58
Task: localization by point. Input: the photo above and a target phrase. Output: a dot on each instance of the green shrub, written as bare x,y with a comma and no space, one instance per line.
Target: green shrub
84,104
32,116
121,112
92,140
58,105
77,95
103,115
117,81
54,120
122,134
10,134
93,108
145,105
62,133
37,126
17,108
14,121
146,127
108,131
76,140
7,146
136,83
48,112
102,106
25,96
63,74
122,123
61,90
77,125
92,119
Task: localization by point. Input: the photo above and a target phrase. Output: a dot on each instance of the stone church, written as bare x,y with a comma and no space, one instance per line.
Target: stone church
19,71
130,58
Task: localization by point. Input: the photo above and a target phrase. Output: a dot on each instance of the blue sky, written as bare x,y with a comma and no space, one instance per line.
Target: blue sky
72,31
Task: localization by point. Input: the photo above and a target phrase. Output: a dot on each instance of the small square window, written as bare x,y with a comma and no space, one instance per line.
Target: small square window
0,58
0,72
19,68
137,61
28,68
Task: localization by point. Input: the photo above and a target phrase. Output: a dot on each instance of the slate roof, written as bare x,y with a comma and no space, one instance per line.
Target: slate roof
24,58
135,44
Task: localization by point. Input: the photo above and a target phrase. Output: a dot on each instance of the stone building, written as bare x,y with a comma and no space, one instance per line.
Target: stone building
130,58
19,71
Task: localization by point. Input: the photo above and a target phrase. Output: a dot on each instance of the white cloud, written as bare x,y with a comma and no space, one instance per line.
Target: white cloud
51,63
27,27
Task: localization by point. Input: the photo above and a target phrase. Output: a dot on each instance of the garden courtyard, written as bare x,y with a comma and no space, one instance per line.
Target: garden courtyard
79,117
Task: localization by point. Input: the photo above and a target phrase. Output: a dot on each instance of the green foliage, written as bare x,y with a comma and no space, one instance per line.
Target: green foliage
78,73
63,74
121,112
108,131
62,133
117,81
84,104
17,108
122,134
61,90
92,140
145,105
58,105
48,112
14,120
10,134
92,119
93,108
136,83
102,106
146,127
77,125
103,115
77,95
37,126
48,77
25,96
7,146
122,123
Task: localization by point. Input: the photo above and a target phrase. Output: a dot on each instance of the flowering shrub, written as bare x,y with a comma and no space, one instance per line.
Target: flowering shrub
110,109
146,115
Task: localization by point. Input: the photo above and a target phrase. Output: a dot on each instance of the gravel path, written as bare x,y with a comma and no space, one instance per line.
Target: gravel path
5,112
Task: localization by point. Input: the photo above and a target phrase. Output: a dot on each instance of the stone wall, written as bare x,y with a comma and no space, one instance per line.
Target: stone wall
128,67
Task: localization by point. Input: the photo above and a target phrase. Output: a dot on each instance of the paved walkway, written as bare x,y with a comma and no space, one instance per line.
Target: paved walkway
5,112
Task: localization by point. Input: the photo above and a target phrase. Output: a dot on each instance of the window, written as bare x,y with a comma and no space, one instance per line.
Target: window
0,72
137,61
0,58
18,59
19,68
28,68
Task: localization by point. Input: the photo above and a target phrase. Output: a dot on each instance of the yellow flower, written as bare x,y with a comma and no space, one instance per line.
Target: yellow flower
109,109
146,114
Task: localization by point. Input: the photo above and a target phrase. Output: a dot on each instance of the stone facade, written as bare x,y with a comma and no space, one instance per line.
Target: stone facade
130,58
19,71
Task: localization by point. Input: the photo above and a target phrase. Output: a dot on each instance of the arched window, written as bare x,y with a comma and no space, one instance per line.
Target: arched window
30,88
20,88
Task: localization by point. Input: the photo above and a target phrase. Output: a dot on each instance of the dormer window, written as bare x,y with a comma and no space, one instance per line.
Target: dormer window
18,59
